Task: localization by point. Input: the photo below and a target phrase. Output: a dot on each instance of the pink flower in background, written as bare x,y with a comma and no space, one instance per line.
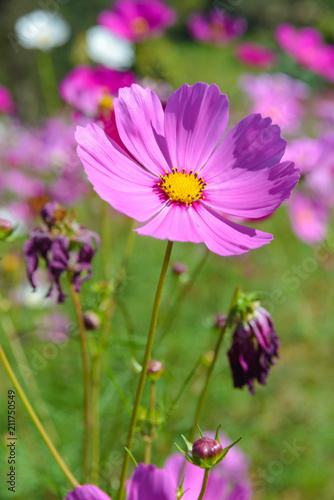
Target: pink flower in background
306,46
87,492
216,27
89,89
305,153
6,102
277,96
256,55
149,482
137,20
181,178
54,327
309,217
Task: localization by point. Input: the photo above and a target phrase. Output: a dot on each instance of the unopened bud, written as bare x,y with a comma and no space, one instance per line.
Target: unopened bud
91,320
207,451
6,229
220,320
179,268
154,369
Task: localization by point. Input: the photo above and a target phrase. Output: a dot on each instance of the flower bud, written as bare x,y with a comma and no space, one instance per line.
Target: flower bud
179,268
220,320
91,320
207,451
6,229
154,369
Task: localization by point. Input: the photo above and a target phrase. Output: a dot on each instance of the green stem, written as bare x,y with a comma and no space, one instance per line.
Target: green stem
96,375
48,80
86,381
209,373
204,484
151,430
36,420
142,376
182,295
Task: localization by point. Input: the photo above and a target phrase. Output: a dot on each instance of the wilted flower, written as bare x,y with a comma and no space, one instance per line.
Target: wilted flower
106,48
87,492
6,102
277,96
64,245
306,46
217,26
254,347
256,55
137,20
181,178
42,30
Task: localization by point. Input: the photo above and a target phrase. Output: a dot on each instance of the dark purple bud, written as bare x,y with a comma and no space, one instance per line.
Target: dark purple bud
254,347
207,450
179,268
91,320
154,369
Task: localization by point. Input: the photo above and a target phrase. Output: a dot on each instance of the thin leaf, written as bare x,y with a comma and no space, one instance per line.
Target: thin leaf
119,390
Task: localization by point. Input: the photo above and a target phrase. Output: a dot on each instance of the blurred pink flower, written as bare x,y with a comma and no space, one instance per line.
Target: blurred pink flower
87,492
54,327
305,153
216,27
181,178
256,55
309,217
137,20
278,96
6,102
306,46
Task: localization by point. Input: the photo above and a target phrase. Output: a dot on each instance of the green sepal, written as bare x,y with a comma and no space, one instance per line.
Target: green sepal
199,431
189,445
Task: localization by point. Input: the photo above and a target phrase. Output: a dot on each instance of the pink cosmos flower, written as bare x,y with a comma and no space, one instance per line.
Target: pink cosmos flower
277,96
87,492
6,102
256,55
216,27
137,20
90,89
305,153
309,217
306,46
181,178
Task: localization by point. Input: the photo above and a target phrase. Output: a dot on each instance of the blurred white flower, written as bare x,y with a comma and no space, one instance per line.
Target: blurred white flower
108,49
42,30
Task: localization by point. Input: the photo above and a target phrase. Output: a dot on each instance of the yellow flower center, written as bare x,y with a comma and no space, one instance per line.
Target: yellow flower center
182,186
140,26
106,102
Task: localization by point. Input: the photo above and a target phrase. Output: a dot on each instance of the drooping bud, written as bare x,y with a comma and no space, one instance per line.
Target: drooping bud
91,320
154,369
6,229
207,450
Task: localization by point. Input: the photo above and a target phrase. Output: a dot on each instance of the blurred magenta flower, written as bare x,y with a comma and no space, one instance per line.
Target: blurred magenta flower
88,89
87,492
309,217
148,482
216,27
254,347
306,46
64,245
7,106
305,152
53,327
278,96
256,55
42,29
137,20
181,178
228,480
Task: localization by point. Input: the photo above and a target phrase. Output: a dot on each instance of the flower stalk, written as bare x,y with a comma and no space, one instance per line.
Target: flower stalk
36,420
204,484
143,372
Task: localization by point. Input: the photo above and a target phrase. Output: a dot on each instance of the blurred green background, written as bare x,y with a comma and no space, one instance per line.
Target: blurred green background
296,409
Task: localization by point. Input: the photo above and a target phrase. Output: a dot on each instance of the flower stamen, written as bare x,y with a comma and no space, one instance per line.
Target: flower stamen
182,186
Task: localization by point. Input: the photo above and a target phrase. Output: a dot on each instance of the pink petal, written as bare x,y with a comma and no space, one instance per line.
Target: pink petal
224,237
116,178
175,223
140,123
195,120
244,175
